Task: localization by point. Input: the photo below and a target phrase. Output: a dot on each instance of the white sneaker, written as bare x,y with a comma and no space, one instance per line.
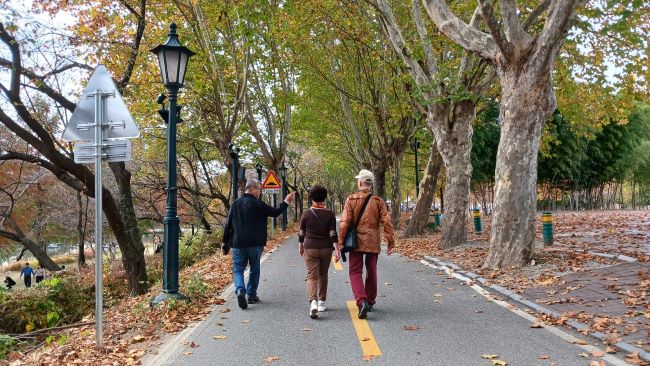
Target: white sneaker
321,306
313,309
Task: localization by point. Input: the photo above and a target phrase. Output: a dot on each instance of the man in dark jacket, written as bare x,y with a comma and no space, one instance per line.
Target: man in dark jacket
245,232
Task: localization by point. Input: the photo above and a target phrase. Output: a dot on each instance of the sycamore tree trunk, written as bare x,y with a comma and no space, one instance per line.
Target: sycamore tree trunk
124,225
527,101
418,222
455,147
524,62
395,191
40,254
379,170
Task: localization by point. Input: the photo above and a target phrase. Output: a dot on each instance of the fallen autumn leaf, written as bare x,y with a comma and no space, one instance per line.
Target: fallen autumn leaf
271,359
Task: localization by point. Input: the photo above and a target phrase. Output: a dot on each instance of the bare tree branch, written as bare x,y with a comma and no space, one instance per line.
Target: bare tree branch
61,174
16,66
487,13
552,36
532,18
514,31
465,61
459,32
399,44
139,33
424,39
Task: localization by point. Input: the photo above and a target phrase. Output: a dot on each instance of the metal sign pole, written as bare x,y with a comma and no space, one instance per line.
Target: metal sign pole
273,219
90,147
99,120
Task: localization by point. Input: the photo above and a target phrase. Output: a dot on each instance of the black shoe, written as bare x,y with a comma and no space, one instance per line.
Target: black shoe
363,310
253,299
370,307
241,299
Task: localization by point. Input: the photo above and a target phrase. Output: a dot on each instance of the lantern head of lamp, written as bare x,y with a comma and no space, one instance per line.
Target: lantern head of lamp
172,60
283,170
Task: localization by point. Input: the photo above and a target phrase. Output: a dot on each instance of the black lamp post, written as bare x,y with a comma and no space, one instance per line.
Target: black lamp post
295,207
172,60
233,151
283,174
308,194
415,145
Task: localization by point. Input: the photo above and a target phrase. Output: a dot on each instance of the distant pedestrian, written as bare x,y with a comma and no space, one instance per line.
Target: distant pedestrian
368,238
157,244
27,271
9,282
112,249
40,274
245,233
317,237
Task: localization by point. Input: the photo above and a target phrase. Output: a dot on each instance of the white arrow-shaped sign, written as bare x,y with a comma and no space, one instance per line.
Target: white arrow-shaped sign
118,122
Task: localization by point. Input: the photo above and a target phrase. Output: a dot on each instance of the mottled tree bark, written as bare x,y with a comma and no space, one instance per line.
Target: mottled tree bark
124,225
379,187
418,222
524,64
395,191
526,100
449,116
455,146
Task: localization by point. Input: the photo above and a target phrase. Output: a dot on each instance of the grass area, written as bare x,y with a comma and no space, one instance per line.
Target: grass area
68,296
65,259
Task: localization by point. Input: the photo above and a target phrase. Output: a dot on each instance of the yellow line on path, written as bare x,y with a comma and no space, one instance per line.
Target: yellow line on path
369,345
337,265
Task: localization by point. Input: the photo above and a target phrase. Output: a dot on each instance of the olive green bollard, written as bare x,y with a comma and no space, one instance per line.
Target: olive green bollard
476,214
547,228
436,217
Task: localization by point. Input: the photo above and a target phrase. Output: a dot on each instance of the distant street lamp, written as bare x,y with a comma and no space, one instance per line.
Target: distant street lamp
172,60
283,174
415,145
234,155
308,187
259,168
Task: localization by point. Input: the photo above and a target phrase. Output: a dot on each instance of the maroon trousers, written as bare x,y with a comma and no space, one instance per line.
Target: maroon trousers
363,291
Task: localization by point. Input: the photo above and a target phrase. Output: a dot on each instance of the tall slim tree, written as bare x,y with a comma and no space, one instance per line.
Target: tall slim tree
450,96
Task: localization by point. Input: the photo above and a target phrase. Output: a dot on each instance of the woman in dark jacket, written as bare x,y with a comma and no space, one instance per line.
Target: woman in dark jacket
317,239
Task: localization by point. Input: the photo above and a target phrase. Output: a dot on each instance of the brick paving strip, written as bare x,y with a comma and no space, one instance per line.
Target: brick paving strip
607,293
603,292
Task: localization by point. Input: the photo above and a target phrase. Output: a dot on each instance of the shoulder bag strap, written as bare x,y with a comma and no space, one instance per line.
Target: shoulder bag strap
317,218
363,208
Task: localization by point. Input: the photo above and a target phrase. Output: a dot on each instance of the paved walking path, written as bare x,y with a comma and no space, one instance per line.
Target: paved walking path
422,317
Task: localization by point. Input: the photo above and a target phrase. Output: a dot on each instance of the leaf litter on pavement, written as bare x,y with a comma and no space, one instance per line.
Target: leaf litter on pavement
581,238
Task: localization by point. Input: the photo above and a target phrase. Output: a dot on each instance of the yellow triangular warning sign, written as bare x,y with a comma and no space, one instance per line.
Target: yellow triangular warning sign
271,181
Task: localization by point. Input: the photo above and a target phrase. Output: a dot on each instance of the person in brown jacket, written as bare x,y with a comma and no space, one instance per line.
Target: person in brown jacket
317,237
368,239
